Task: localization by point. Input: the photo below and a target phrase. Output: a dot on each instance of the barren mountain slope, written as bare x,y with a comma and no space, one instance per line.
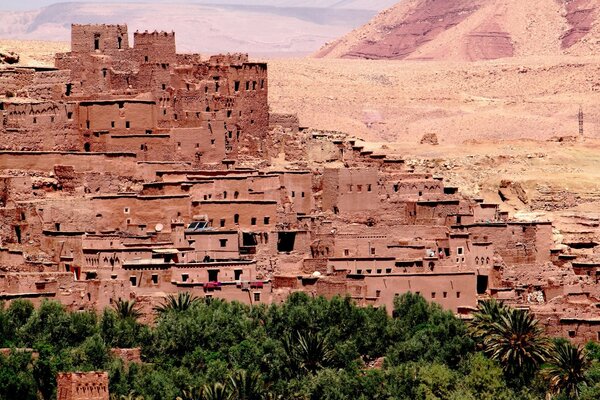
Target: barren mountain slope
472,30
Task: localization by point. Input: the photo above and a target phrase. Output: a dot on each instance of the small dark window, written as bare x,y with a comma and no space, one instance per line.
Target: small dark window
86,147
87,124
119,42
70,115
236,86
267,220
458,295
236,219
293,194
127,124
256,296
253,221
247,85
97,44
223,242
222,223
112,124
164,86
185,277
133,280
69,89
388,270
433,295
145,58
572,334
154,279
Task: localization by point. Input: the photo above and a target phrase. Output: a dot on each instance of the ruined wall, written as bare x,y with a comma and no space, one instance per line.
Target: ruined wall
82,386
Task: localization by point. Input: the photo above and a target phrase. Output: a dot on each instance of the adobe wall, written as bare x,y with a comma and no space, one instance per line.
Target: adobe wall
155,47
109,38
264,213
82,386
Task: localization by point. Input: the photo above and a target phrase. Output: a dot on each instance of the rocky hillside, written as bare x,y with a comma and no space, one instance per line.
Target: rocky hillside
470,30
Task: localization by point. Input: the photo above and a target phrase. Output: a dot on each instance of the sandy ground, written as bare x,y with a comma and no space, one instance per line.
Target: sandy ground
402,100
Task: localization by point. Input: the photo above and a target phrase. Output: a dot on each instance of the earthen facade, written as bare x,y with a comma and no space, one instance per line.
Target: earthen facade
133,172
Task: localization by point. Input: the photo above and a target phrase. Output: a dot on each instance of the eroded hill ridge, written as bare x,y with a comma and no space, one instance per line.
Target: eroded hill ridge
473,30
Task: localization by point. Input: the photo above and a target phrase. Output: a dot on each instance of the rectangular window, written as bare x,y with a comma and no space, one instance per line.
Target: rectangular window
379,271
236,86
238,274
346,252
458,295
154,279
185,277
253,221
223,242
433,295
222,223
256,296
388,270
127,124
445,294
459,250
133,280
267,220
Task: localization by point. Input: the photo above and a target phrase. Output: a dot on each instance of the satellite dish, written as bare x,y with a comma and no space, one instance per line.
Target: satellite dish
159,227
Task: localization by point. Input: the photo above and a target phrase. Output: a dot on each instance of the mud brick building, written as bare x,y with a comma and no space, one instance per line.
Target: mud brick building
130,171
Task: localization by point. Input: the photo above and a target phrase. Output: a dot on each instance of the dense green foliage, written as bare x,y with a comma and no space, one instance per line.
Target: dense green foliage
303,349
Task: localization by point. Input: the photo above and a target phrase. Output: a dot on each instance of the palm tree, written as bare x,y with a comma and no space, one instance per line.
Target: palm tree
247,386
308,351
127,309
217,391
488,312
566,369
517,342
180,303
191,394
130,396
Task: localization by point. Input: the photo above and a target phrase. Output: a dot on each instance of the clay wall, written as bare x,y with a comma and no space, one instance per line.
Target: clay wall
364,266
125,164
298,187
286,121
102,38
350,190
224,272
218,245
129,116
155,47
14,188
517,243
82,386
436,213
117,212
9,259
264,213
485,212
412,187
202,145
146,147
451,290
